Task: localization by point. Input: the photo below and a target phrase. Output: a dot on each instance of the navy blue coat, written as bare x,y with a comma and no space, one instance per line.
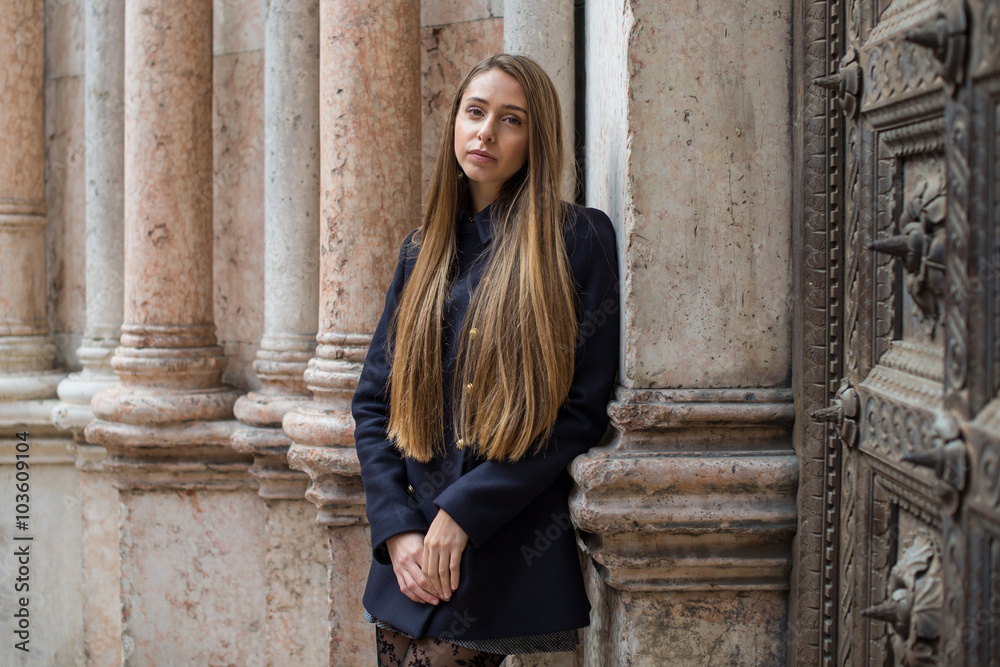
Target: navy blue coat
520,572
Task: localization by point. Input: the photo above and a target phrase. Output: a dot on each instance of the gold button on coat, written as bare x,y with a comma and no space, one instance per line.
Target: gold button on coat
410,490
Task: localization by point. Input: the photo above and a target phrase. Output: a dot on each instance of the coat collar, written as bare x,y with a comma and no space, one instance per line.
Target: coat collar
483,220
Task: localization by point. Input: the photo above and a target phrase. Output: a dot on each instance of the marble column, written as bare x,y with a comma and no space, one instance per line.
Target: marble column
170,405
687,515
191,529
297,568
291,229
104,24
105,58
370,147
26,347
544,31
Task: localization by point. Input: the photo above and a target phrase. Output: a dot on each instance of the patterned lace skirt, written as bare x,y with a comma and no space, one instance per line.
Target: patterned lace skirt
554,642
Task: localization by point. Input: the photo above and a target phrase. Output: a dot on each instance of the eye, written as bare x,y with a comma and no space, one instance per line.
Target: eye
475,112
512,120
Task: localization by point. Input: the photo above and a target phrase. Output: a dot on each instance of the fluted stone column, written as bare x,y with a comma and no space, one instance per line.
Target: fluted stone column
543,30
291,228
370,147
687,515
26,347
105,286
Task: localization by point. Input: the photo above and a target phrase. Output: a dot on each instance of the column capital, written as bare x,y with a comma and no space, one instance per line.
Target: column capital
675,504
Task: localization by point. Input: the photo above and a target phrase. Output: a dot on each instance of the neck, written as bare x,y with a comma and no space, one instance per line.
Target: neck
482,195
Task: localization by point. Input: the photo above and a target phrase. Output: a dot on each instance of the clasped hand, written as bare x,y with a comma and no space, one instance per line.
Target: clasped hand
427,566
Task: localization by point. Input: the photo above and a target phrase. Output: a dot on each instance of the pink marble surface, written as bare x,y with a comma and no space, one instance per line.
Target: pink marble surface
444,12
238,25
298,570
22,161
448,52
168,163
102,622
193,583
65,35
350,557
370,143
238,221
66,200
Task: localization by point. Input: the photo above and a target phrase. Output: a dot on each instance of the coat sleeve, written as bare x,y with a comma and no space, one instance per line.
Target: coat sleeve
494,492
390,509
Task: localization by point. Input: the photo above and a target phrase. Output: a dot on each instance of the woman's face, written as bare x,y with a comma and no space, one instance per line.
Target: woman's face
491,133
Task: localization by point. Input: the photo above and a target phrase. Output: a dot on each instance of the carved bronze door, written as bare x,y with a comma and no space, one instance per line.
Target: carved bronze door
904,188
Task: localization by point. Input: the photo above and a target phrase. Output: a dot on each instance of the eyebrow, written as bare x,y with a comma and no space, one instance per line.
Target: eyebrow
502,106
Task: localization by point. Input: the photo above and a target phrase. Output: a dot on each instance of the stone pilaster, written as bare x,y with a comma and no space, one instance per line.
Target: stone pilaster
26,347
370,146
688,515
105,58
543,30
291,229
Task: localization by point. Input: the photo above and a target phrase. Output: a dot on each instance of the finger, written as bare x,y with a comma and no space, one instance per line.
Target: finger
456,563
444,574
416,592
404,588
430,568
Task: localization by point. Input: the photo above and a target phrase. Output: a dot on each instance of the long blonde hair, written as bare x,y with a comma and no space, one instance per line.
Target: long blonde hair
516,350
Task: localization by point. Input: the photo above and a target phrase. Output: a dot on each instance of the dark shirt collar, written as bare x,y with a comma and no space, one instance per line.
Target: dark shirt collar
483,220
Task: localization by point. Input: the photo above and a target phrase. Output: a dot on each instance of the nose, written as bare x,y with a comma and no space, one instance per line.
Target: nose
486,133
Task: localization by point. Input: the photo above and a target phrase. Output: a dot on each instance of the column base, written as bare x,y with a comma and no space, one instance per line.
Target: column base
265,410
32,353
75,393
32,386
263,438
156,405
336,487
269,447
687,520
160,438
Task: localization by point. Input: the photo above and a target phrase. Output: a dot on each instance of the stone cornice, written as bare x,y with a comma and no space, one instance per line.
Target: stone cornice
697,492
659,409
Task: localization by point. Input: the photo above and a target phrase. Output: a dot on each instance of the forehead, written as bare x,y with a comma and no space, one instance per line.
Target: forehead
497,88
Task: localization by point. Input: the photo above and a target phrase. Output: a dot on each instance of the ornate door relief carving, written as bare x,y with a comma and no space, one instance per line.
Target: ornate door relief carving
900,234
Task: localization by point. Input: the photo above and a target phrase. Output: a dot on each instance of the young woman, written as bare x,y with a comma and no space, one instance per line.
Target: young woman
489,372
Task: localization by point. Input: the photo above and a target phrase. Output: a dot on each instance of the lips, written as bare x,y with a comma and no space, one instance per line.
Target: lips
481,156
